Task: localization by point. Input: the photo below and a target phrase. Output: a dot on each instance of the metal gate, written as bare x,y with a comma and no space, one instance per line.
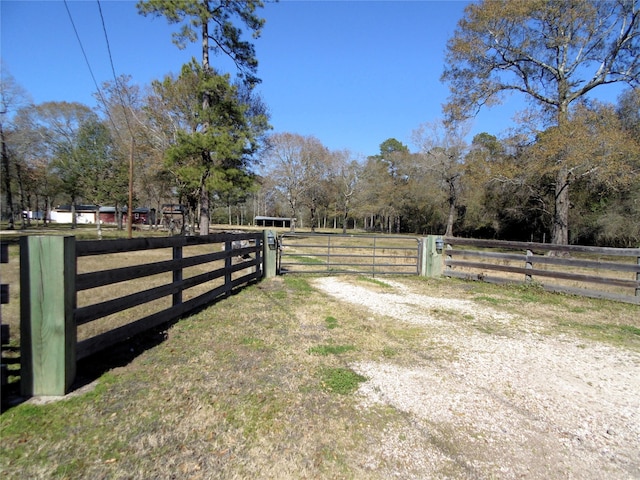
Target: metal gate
355,254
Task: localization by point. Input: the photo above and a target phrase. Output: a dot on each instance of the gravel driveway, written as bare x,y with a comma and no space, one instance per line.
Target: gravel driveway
498,395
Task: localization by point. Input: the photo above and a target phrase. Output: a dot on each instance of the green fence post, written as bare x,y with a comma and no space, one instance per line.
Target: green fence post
431,256
269,253
47,303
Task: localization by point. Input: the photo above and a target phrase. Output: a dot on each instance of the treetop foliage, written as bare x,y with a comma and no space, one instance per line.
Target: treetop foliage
554,52
226,35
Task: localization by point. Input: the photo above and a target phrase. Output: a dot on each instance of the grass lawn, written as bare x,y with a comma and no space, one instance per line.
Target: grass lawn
259,386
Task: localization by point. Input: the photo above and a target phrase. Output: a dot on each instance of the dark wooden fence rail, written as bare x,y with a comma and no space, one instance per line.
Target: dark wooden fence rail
246,247
500,256
12,359
50,284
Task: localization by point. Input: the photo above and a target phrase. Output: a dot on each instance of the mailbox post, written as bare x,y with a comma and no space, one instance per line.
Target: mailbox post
431,256
269,253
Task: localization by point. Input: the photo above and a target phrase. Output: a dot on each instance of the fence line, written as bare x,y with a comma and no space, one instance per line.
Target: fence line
50,284
174,289
12,359
585,271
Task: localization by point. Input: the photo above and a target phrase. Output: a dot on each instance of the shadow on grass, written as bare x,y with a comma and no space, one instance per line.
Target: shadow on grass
92,367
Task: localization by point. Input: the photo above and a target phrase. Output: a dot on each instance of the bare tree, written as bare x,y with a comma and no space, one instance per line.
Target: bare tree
443,148
554,52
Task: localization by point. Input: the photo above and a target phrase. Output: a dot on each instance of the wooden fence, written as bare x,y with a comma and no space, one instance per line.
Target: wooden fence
9,354
51,284
611,273
58,295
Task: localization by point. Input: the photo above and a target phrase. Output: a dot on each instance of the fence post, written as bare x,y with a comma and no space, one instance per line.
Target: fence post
177,276
528,266
269,253
431,256
4,329
47,303
228,263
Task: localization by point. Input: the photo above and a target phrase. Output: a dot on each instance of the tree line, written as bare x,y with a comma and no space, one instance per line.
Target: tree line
567,172
490,187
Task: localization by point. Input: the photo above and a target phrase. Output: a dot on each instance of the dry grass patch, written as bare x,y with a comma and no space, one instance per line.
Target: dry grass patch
240,391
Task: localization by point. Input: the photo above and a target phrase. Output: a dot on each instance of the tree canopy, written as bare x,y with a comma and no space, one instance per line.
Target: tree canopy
225,36
553,52
217,24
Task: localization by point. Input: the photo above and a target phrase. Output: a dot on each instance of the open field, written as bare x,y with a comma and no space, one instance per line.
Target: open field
11,275
351,377
366,254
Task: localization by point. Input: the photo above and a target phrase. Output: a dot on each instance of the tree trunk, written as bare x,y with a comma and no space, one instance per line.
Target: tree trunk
74,220
560,234
204,202
47,210
450,219
452,208
560,229
118,214
345,219
206,156
294,208
37,210
313,210
98,223
22,194
7,179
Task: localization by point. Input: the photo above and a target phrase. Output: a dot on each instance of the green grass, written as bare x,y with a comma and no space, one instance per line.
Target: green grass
618,335
252,342
389,352
375,281
298,284
340,380
306,260
331,322
263,383
490,300
325,350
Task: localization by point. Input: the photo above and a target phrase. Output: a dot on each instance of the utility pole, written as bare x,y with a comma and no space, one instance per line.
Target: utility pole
130,207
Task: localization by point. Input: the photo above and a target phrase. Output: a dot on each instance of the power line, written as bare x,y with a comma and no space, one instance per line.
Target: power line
86,59
126,119
113,71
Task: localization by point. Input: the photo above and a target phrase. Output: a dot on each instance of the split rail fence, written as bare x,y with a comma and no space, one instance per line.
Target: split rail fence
598,272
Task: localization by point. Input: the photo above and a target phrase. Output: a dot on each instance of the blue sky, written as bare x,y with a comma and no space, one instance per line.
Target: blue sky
351,73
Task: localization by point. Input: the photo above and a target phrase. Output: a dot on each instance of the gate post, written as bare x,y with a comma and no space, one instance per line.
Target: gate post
269,253
47,303
431,256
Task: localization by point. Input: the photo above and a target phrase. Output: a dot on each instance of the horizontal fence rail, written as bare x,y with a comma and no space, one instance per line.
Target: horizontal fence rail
238,253
81,297
9,353
338,254
569,269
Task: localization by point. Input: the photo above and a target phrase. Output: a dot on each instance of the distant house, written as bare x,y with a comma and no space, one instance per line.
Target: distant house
282,222
143,215
84,214
107,215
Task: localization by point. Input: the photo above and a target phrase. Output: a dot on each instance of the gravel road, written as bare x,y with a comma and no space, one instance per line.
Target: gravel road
512,401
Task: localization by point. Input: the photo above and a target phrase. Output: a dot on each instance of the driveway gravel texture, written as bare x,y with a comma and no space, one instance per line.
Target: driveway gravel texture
506,399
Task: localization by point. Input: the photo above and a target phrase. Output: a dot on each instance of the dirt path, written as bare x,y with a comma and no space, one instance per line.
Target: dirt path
498,395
